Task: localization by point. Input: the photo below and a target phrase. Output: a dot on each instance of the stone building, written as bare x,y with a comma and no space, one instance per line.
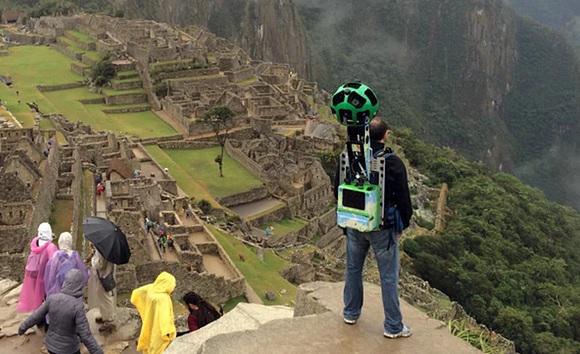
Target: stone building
28,184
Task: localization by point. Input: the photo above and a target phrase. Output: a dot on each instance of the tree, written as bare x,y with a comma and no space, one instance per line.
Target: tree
103,72
220,119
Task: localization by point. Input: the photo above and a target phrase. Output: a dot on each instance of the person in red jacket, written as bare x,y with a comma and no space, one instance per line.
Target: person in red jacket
201,313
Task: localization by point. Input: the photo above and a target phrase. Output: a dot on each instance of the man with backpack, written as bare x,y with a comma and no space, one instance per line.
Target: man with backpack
162,241
384,242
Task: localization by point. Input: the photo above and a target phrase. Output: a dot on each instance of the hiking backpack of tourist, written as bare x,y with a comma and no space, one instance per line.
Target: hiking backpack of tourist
370,220
68,319
41,251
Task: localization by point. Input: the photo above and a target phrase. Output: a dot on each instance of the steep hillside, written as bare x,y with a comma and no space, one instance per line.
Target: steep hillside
560,15
556,14
267,29
461,73
508,255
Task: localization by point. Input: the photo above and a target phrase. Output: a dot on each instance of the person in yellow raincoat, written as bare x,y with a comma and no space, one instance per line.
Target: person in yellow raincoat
153,301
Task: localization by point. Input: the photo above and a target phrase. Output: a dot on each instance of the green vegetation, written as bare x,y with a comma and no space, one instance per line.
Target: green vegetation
103,72
228,306
37,8
537,113
220,120
286,226
420,61
142,124
262,276
508,255
61,216
81,36
185,181
30,66
201,169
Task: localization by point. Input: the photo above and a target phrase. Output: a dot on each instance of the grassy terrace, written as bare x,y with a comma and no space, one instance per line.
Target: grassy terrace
262,276
111,92
72,45
286,226
29,66
197,174
81,36
189,185
96,56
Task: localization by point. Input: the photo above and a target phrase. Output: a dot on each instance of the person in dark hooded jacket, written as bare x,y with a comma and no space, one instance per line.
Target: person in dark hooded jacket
68,321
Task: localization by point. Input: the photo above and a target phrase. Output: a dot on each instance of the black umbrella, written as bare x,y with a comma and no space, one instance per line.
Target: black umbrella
108,239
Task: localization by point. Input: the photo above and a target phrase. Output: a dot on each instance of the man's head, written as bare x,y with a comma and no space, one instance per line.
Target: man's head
379,130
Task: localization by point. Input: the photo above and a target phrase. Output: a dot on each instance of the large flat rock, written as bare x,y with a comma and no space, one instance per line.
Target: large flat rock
321,329
244,317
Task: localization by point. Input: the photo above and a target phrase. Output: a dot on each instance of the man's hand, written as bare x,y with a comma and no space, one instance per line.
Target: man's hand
21,330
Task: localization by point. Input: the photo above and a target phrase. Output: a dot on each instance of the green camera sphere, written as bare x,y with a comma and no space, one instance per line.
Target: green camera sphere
354,104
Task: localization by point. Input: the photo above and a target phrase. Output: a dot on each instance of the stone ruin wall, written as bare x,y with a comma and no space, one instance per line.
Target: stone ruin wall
250,196
216,290
76,191
252,166
47,191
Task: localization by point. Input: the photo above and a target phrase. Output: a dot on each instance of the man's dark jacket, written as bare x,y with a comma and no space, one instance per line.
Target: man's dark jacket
396,183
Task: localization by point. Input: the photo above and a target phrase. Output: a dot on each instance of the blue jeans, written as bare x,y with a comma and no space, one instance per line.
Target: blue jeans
358,244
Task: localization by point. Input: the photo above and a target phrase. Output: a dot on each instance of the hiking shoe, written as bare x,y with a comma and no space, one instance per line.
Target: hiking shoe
349,321
404,333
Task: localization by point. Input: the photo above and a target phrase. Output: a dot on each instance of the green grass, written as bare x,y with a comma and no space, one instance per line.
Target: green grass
30,66
122,75
142,124
111,92
262,276
61,216
72,45
231,303
286,226
96,56
184,180
130,79
201,168
81,36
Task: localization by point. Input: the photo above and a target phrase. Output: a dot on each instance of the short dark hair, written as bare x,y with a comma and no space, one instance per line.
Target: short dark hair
378,128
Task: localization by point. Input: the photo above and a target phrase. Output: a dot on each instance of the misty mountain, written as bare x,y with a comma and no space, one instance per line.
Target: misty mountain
467,74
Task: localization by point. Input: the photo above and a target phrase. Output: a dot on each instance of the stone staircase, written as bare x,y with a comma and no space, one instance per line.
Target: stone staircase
315,326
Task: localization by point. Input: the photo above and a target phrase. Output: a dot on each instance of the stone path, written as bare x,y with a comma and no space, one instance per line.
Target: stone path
101,206
215,265
139,154
149,168
326,332
247,211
